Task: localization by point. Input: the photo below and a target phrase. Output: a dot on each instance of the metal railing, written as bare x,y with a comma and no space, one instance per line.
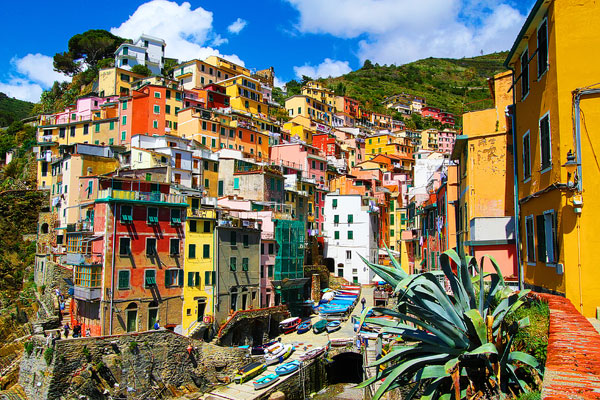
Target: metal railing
117,194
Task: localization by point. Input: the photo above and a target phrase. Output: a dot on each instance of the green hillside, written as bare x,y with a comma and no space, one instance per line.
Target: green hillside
13,110
455,85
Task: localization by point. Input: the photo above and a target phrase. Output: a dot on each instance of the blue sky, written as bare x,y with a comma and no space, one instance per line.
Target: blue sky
318,38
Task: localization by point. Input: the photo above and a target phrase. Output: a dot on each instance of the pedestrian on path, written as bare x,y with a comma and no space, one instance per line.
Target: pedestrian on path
66,329
363,301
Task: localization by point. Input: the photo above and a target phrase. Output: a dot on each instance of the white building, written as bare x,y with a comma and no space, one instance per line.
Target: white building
147,50
350,229
177,156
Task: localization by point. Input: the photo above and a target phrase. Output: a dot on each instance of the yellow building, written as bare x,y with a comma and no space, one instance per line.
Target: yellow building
245,94
300,131
557,115
116,81
198,290
318,91
388,144
485,217
195,74
429,139
309,108
228,67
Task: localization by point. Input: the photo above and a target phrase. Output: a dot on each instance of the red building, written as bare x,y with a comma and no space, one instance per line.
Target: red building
127,259
327,144
348,106
214,96
437,114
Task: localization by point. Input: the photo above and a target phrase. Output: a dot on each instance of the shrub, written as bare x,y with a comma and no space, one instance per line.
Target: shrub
133,345
86,353
48,354
29,348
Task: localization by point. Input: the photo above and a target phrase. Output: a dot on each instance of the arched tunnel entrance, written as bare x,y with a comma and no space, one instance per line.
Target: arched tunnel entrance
345,368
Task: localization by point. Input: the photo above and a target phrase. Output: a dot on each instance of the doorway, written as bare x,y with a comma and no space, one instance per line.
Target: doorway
201,309
152,314
131,317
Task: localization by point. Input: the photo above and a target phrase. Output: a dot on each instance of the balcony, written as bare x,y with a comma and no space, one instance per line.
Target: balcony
83,259
201,213
87,293
111,194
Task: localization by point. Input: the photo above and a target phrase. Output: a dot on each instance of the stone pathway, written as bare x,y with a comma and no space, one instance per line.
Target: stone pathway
573,362
306,340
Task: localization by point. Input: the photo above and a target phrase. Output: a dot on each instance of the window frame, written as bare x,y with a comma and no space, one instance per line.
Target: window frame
553,237
547,61
530,253
233,264
148,254
524,52
146,286
192,251
527,135
148,216
171,241
121,241
128,279
549,166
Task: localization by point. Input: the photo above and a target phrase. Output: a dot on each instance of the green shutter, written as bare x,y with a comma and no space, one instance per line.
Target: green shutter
180,278
350,218
197,279
123,280
244,264
236,183
192,251
336,219
232,263
206,251
350,235
207,280
168,278
336,234
190,279
334,203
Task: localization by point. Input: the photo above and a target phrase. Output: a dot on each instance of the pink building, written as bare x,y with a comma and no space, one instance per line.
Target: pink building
446,139
83,110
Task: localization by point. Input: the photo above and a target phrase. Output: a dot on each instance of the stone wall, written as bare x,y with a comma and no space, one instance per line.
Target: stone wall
252,327
138,364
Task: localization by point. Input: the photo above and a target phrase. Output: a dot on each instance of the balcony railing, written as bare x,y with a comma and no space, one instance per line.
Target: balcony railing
128,195
87,293
198,212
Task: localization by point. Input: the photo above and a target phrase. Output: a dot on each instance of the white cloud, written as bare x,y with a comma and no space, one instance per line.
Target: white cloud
38,68
219,40
278,82
22,89
326,69
237,26
400,31
185,30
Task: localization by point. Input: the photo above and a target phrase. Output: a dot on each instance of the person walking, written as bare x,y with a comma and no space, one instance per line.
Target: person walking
76,330
66,329
363,301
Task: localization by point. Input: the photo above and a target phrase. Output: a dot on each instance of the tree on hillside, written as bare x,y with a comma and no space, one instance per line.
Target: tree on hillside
367,64
170,64
305,80
293,87
91,47
141,69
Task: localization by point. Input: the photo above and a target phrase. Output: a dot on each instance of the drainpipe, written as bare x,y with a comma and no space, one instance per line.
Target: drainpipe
577,93
112,275
512,111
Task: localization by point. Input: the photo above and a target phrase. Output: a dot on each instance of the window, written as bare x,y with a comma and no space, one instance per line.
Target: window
270,271
206,251
245,264
191,251
392,233
156,109
236,183
232,239
245,240
126,214
542,46
392,219
209,278
220,188
336,219
86,128
193,227
546,237
167,109
123,135
207,227
72,131
351,218
350,235
124,246
348,254
194,279
206,183
232,263
150,247
152,216
175,216
149,278
155,124
524,74
174,247
334,203
336,235
124,279
526,156
271,248
545,142
174,277
157,95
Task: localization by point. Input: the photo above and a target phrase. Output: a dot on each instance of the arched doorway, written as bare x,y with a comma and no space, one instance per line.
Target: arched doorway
152,314
131,314
44,228
345,368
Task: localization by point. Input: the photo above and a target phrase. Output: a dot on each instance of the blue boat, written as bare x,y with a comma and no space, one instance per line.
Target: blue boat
334,309
304,326
287,368
333,326
265,381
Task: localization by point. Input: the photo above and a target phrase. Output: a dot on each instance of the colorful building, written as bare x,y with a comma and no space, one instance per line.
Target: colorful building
555,115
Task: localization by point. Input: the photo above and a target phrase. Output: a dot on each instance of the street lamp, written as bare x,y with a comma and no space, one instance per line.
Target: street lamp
571,167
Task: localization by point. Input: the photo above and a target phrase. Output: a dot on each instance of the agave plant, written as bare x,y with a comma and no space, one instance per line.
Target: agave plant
452,345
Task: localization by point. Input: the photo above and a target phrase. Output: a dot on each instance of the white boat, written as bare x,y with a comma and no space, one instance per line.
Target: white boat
276,358
309,355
